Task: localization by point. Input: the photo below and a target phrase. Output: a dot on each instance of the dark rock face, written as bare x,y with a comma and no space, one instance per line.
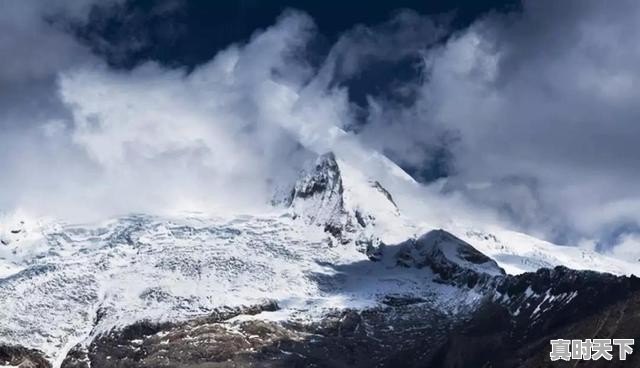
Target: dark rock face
376,337
452,259
318,196
385,192
324,184
511,328
147,344
549,304
324,178
17,356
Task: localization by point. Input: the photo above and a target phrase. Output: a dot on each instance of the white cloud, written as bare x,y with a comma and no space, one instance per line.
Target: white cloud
538,108
547,96
157,139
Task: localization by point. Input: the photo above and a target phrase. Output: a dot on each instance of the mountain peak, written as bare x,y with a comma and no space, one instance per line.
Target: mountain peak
317,195
323,180
451,258
342,199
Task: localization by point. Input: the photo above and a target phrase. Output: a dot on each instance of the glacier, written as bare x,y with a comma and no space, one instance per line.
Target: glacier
338,240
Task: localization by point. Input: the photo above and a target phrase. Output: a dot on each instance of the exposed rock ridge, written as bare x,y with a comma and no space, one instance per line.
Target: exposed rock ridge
452,259
320,198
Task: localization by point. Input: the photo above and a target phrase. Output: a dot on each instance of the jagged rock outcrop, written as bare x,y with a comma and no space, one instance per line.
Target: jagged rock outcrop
205,339
318,196
513,329
451,258
345,203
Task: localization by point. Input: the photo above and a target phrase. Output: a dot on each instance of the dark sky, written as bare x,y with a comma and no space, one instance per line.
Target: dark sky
192,32
189,33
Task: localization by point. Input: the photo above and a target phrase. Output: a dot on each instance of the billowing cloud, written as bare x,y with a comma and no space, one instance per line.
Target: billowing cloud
36,46
536,114
532,115
220,137
547,94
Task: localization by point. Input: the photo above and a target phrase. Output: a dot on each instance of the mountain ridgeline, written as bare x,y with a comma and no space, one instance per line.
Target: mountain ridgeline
316,286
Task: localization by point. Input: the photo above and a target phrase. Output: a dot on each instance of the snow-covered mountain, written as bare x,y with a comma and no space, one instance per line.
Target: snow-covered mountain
338,241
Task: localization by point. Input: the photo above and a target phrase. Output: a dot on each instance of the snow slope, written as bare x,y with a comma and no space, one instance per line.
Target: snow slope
513,251
76,281
518,253
333,194
61,284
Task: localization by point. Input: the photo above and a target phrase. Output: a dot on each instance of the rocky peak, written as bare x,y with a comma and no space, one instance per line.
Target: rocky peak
451,258
323,179
344,201
317,195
